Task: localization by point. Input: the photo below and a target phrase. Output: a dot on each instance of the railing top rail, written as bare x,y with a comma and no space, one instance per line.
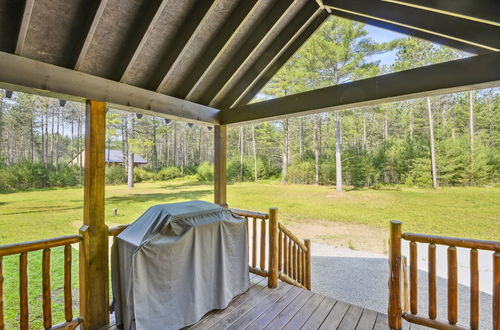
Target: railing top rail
250,214
115,231
452,241
292,236
17,248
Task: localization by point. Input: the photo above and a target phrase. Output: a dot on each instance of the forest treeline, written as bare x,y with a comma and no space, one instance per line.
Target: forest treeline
442,140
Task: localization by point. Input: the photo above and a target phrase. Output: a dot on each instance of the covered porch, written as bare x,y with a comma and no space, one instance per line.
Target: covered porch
203,62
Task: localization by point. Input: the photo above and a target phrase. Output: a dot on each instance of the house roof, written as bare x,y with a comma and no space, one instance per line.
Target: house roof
194,59
116,156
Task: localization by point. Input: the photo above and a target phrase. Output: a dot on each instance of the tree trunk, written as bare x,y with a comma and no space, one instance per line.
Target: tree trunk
471,122
433,151
130,177
338,153
316,149
254,147
364,131
490,126
286,147
411,123
155,147
301,138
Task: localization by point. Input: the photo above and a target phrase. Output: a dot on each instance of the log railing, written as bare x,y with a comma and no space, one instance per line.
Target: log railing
398,296
289,258
23,249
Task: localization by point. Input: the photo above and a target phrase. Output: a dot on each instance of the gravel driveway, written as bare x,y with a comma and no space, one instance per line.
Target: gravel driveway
361,278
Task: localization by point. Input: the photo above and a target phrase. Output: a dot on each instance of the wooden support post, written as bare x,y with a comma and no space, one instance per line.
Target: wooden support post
496,290
220,196
272,280
307,243
395,309
94,263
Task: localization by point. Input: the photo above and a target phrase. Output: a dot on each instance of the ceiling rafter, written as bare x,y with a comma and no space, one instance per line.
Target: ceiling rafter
23,28
280,60
31,76
443,26
96,17
145,35
187,31
483,11
258,35
216,46
305,17
455,76
414,33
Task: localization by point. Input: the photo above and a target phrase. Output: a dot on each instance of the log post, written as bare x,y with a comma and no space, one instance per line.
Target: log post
220,195
496,290
272,280
94,264
395,310
307,243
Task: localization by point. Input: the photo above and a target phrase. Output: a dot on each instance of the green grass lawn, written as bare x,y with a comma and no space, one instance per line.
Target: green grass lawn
464,212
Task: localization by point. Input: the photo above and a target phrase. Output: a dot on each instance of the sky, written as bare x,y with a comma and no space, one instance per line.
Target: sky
382,35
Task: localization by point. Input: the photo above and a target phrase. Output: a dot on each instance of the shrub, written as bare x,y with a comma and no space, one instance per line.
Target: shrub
116,174
65,176
302,172
168,173
205,172
142,174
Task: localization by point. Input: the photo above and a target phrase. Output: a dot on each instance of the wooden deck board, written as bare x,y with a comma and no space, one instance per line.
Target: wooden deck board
289,307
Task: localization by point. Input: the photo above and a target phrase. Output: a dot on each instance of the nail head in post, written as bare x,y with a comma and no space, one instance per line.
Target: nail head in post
138,115
209,128
62,103
167,121
190,125
8,94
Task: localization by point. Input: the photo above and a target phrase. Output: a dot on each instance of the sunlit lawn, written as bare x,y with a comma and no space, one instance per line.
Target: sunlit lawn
468,212
465,212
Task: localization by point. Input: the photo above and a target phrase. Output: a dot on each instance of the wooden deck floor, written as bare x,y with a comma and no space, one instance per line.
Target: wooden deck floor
289,307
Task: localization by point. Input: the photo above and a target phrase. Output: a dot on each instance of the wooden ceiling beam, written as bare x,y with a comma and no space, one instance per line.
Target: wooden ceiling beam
258,35
432,23
309,16
155,15
215,47
455,76
187,32
96,14
23,27
484,11
280,60
27,75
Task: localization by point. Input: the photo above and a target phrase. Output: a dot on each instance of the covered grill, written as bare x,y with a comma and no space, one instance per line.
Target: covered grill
176,262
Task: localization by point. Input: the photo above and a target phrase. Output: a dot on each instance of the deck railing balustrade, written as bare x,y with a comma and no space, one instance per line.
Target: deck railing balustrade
404,306
23,249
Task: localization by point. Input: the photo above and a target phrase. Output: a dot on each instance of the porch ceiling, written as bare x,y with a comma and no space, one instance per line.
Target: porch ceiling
186,59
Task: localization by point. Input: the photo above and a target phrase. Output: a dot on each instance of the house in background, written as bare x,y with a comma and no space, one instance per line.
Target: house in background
112,157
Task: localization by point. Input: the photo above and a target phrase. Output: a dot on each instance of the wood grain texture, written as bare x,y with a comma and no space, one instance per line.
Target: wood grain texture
220,176
94,260
23,291
46,292
474,290
432,282
2,318
452,285
254,243
395,308
496,290
263,239
413,278
68,299
273,248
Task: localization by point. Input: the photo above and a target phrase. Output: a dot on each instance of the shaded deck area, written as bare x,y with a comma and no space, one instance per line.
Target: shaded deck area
290,307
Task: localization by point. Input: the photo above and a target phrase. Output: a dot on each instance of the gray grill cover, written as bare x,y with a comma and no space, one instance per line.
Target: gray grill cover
177,262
